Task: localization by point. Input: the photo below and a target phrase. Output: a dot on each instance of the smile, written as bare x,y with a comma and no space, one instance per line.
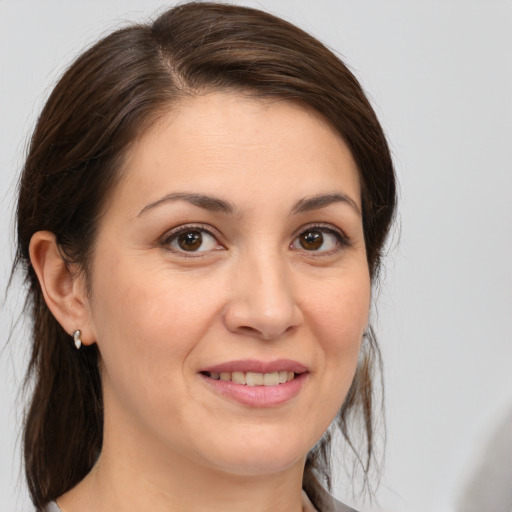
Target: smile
255,383
254,378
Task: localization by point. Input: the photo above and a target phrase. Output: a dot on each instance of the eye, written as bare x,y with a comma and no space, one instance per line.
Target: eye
318,239
192,240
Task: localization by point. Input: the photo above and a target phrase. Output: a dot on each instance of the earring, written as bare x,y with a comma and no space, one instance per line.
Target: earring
77,338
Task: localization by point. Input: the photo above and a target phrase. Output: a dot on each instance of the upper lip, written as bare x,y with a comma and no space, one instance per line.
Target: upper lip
256,366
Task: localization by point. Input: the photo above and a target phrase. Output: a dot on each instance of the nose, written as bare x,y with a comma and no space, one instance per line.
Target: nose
262,302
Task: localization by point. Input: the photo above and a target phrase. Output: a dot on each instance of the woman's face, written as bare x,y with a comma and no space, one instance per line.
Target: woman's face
231,251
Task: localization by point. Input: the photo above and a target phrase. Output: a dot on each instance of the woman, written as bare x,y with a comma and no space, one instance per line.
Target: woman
201,217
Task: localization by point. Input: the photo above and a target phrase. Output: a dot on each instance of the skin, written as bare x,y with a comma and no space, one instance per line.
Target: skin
160,314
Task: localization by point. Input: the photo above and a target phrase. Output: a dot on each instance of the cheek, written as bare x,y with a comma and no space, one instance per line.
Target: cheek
339,320
341,311
148,306
147,324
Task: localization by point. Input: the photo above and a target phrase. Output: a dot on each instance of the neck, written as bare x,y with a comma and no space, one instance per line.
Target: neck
131,477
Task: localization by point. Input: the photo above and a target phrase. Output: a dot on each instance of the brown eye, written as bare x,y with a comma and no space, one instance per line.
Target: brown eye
190,241
311,240
319,239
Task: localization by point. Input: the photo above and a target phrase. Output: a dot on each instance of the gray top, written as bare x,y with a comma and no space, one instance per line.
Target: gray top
52,507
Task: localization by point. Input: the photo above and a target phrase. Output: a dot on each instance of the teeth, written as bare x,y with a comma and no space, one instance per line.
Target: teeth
271,379
254,378
238,377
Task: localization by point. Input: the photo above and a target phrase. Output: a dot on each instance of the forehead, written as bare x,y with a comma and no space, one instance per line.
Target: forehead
240,145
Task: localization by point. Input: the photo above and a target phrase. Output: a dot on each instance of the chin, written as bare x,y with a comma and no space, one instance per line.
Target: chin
253,459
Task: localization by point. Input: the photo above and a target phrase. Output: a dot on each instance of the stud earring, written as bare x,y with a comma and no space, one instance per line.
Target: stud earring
77,338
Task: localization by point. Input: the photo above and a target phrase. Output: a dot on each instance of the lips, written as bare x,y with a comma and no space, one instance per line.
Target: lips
257,383
256,366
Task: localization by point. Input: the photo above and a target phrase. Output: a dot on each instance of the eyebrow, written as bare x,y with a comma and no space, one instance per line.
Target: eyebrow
203,201
322,200
215,204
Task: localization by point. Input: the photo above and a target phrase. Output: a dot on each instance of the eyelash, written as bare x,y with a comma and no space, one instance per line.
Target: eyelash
341,239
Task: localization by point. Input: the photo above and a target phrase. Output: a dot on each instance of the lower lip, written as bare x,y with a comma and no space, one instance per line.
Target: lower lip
258,396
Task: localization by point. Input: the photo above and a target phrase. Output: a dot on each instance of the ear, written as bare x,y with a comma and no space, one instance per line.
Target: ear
63,286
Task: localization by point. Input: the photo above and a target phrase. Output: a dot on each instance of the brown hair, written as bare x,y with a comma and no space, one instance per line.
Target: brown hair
110,96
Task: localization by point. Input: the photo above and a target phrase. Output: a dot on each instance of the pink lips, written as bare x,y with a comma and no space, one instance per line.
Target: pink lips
253,365
258,396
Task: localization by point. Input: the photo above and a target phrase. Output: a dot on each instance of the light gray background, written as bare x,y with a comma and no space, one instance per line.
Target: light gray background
440,76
